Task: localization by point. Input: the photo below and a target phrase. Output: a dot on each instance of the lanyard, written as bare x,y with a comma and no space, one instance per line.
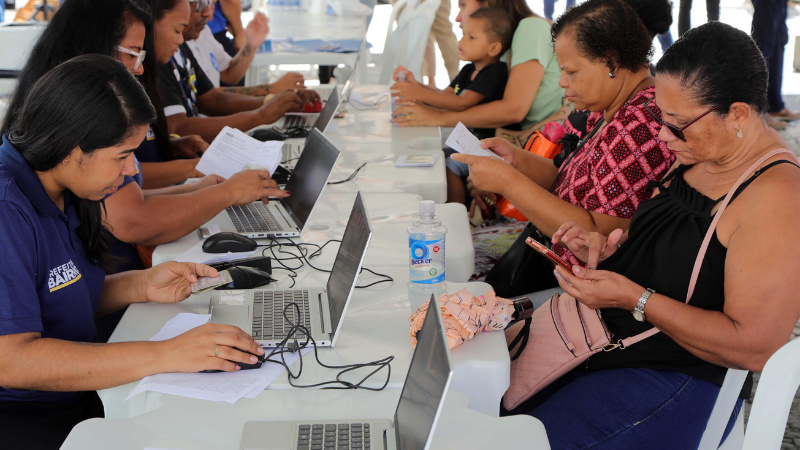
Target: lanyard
182,76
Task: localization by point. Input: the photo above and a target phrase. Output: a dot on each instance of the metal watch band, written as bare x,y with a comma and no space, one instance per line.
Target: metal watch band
638,312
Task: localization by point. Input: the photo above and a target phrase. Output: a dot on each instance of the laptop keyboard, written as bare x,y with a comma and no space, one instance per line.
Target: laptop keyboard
253,218
299,120
343,436
268,319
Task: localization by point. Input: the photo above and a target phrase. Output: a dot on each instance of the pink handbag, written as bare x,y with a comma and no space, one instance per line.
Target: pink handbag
563,333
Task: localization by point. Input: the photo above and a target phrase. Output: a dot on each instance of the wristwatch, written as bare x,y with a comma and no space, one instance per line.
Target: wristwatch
638,312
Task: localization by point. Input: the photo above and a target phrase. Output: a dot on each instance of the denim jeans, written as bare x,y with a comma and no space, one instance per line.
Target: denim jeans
771,34
623,409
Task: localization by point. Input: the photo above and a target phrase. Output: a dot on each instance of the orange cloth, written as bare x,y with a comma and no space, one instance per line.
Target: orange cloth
466,316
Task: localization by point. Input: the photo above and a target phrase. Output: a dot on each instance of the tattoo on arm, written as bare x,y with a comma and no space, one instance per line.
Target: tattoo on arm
247,51
256,91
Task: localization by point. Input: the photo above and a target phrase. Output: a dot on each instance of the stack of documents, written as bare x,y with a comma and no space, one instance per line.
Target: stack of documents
219,387
233,151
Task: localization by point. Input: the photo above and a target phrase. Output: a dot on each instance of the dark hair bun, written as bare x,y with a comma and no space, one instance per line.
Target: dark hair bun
719,65
608,31
656,15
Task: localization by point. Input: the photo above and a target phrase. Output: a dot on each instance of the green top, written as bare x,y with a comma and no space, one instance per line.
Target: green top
532,42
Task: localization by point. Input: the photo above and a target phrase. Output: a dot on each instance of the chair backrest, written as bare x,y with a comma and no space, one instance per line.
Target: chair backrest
723,407
406,45
776,390
398,8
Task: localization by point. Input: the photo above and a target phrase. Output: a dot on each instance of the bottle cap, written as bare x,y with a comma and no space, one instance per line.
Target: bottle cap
427,208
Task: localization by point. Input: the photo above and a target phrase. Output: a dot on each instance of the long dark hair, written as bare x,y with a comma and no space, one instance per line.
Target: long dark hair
718,65
83,27
91,102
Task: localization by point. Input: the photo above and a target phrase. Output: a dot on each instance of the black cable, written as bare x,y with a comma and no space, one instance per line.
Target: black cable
281,349
350,178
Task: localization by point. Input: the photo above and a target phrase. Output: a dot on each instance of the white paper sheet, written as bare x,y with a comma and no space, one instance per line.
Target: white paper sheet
232,150
221,387
463,141
197,255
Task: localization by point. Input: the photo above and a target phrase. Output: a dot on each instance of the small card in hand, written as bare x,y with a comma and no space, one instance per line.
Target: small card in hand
206,283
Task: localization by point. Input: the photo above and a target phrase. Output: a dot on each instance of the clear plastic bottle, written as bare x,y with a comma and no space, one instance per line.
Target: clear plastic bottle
426,243
401,76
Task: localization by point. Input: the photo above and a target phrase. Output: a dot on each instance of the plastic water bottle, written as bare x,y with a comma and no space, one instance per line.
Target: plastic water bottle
401,76
426,242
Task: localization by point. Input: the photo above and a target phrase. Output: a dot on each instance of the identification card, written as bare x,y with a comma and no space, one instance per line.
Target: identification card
207,283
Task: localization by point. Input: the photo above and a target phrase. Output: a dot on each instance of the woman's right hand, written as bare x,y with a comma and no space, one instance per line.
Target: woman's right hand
590,248
503,149
194,350
249,186
409,74
280,104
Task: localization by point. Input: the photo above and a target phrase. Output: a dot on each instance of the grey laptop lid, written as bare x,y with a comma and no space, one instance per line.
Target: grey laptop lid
309,176
351,80
426,385
328,111
348,263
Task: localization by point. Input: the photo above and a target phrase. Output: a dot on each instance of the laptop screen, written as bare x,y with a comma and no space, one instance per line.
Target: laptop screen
425,386
328,111
310,175
351,80
348,261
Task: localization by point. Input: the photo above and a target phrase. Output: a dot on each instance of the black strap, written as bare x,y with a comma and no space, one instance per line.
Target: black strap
757,174
523,335
580,146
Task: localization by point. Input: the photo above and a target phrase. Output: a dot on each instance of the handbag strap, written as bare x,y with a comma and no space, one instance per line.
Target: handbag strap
702,253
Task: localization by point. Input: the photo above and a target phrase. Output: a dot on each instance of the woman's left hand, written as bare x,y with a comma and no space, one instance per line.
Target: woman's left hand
207,181
406,91
599,288
190,146
412,114
171,282
488,173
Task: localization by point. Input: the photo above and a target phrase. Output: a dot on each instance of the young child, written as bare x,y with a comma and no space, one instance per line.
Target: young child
487,35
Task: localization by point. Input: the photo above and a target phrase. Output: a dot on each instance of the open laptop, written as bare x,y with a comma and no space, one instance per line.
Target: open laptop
319,120
414,420
321,309
286,217
347,89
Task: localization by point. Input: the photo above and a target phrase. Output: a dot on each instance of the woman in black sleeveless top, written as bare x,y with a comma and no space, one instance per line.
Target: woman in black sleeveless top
659,392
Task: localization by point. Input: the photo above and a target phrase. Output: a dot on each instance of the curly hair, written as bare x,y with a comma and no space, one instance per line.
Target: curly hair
608,31
656,15
718,65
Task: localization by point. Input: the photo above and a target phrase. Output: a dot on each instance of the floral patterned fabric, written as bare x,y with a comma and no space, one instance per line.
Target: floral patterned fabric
610,174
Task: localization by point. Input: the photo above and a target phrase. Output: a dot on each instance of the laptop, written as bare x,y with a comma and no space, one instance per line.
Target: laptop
414,422
319,120
286,217
321,309
326,89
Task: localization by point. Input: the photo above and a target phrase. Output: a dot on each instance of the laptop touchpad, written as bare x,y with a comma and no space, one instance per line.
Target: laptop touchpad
231,315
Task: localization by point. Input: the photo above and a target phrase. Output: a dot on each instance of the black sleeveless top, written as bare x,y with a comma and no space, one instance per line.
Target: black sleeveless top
664,238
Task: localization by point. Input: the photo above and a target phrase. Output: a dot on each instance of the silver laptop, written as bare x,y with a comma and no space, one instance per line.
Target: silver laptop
414,420
286,217
318,120
321,309
324,90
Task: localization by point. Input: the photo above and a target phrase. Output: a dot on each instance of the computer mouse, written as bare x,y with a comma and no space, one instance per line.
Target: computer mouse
228,242
246,278
268,134
243,366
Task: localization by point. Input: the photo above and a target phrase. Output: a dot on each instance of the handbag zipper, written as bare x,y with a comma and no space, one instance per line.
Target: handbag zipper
559,327
585,330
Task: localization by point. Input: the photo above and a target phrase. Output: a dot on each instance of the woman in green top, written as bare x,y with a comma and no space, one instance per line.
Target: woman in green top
532,92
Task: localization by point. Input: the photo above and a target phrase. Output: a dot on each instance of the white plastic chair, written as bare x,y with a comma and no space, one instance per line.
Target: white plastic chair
721,414
776,390
406,45
398,8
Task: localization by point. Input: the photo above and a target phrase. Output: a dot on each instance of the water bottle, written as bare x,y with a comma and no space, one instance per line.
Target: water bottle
426,239
401,76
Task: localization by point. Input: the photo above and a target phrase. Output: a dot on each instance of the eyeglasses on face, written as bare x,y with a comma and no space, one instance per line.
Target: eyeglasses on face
201,4
139,56
676,131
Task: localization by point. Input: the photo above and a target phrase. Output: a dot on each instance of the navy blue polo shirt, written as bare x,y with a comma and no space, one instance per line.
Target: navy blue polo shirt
148,149
48,284
126,252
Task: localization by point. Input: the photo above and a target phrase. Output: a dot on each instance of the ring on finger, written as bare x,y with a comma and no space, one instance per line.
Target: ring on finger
216,351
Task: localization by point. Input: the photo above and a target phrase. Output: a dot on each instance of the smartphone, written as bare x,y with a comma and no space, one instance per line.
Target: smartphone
547,253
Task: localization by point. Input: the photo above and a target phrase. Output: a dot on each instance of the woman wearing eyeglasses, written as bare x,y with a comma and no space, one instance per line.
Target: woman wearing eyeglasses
659,392
604,69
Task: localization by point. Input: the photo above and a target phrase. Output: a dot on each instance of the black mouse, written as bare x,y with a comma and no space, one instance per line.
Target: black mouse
268,134
228,242
246,278
243,366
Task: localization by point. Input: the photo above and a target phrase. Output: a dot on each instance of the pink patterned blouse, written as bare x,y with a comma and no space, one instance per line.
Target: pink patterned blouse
610,173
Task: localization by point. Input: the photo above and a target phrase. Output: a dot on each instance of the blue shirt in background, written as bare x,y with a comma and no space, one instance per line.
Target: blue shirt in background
48,283
218,22
128,254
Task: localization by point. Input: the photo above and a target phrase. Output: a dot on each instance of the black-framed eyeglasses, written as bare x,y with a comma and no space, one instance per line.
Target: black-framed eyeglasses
676,131
201,4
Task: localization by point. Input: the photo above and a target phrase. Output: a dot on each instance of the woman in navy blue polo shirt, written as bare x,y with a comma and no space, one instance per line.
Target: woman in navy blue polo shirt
70,147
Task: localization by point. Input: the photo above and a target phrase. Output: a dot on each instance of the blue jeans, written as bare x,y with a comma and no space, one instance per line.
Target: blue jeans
665,40
771,34
624,409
